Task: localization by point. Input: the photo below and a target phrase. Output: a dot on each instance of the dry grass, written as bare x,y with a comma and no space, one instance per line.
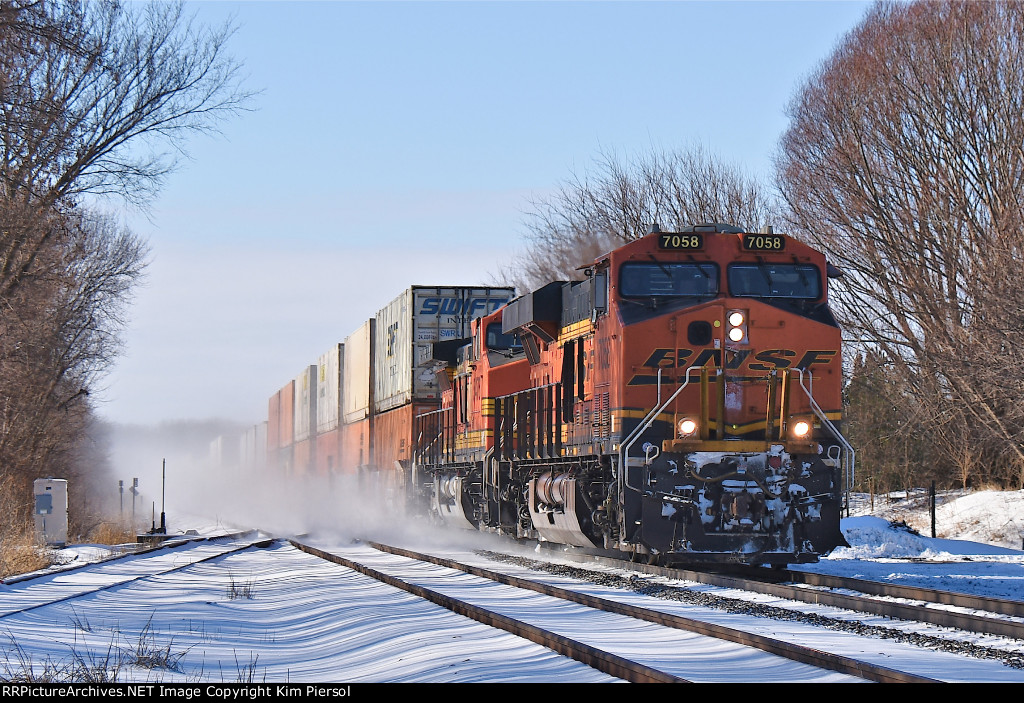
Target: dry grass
20,554
111,533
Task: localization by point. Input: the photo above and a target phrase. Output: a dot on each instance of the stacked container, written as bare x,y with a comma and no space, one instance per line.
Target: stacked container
329,384
353,411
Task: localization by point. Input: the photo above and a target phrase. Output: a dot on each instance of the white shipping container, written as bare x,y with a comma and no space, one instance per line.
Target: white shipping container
328,389
356,378
224,452
407,329
260,449
252,454
305,403
51,510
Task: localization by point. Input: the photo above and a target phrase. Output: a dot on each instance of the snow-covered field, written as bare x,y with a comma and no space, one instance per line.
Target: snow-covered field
277,615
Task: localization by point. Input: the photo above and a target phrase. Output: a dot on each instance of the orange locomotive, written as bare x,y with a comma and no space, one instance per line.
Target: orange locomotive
681,404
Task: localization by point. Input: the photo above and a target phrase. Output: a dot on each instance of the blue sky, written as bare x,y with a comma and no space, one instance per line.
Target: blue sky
399,143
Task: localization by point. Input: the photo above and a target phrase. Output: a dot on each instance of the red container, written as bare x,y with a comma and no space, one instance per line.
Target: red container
274,423
303,458
355,447
328,453
392,437
286,424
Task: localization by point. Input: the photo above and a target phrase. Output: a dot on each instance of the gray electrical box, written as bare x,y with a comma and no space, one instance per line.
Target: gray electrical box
51,510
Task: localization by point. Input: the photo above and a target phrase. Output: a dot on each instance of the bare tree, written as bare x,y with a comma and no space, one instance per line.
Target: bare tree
58,334
94,99
904,160
618,202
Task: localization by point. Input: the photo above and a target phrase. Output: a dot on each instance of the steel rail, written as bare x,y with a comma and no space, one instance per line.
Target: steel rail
606,662
794,652
864,604
141,548
263,543
999,606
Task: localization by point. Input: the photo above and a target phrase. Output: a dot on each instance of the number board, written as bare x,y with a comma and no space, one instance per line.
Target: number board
764,242
686,242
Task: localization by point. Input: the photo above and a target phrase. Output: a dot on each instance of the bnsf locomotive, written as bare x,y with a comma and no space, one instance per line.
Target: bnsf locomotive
681,404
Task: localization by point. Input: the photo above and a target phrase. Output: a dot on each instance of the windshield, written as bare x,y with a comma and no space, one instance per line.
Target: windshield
497,340
667,279
763,280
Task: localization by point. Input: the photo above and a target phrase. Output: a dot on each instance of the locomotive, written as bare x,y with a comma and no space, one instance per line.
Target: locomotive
681,404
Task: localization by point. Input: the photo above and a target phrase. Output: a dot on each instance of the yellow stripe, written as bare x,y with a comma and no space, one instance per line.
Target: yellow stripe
576,329
668,417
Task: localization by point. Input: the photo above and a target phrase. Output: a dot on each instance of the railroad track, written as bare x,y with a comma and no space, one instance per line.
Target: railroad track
929,605
603,659
618,633
18,596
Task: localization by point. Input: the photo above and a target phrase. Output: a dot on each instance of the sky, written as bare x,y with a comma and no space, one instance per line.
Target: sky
310,621
401,143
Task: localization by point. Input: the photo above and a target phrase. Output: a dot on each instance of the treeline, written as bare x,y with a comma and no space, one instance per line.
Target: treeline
95,98
904,162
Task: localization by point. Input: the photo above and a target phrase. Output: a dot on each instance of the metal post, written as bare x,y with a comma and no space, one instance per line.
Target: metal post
933,508
135,492
163,494
120,489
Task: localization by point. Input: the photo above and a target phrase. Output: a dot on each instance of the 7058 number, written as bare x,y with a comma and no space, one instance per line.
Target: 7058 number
764,242
681,241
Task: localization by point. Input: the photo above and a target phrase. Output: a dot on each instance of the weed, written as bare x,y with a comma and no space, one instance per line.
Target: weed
148,655
20,554
112,533
247,672
92,668
240,590
25,670
79,622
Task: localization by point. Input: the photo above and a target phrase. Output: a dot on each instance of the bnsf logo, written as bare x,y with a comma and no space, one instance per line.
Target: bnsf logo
762,361
766,360
472,307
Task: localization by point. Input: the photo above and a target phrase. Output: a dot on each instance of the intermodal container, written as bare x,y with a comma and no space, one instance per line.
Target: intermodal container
330,367
286,424
305,403
408,327
357,374
328,453
392,436
303,458
355,447
253,448
274,422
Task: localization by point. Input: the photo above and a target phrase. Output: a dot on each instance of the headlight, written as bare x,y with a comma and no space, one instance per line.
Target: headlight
801,428
687,427
737,326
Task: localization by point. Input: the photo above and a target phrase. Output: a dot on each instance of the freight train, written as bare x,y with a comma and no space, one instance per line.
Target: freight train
680,404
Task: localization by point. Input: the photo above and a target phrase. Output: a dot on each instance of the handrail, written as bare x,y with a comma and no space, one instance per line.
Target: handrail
850,454
647,422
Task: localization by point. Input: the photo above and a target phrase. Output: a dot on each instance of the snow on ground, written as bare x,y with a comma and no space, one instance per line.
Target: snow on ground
988,517
970,554
301,622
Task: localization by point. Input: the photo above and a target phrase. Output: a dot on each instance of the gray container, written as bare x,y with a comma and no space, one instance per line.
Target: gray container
407,329
51,510
357,375
252,448
305,404
328,388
